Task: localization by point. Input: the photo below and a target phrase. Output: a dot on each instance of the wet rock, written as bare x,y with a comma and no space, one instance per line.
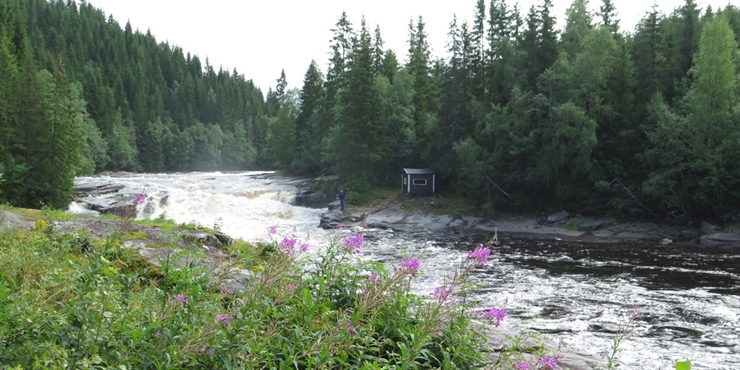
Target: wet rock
557,217
92,191
666,241
309,198
335,205
499,339
335,218
725,241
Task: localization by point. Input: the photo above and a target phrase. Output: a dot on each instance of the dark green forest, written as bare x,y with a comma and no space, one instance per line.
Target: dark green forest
520,115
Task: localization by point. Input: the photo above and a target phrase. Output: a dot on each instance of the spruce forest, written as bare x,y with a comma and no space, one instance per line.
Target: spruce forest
520,115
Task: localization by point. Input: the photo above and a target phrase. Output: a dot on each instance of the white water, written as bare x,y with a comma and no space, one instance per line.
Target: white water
576,301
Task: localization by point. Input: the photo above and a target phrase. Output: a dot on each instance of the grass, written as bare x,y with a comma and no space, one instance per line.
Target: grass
428,203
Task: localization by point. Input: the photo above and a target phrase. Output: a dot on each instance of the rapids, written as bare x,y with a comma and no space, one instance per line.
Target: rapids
576,295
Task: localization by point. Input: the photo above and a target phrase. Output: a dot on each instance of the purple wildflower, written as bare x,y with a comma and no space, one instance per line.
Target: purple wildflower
524,365
349,326
272,229
440,294
410,266
548,362
303,247
182,298
496,315
372,278
292,288
287,245
139,198
480,255
354,242
224,318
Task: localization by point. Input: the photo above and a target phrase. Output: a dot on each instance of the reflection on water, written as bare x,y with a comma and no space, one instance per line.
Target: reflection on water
576,294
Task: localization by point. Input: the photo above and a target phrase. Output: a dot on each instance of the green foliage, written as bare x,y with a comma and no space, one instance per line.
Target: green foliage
518,116
572,224
69,300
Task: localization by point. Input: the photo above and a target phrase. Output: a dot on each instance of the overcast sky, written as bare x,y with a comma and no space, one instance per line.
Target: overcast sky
261,37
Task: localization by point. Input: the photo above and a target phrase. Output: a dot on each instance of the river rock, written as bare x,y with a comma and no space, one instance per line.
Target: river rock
557,217
309,198
335,218
725,241
498,339
92,191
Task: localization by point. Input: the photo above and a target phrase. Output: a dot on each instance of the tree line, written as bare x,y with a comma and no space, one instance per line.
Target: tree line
524,116
519,115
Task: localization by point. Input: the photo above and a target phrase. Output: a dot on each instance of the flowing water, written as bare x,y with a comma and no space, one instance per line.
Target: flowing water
576,295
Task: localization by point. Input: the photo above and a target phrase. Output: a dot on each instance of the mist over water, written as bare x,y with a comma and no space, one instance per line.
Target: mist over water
575,294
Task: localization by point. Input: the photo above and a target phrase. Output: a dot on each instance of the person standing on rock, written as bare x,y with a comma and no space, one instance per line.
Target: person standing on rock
341,196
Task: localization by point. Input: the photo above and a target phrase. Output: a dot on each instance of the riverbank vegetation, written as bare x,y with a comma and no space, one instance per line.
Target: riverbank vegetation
68,300
518,115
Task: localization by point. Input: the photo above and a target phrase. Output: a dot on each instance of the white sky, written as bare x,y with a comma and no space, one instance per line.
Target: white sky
261,37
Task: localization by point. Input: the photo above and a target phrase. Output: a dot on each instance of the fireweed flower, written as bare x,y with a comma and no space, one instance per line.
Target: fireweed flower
372,278
480,255
354,242
440,294
139,198
348,325
548,362
496,315
272,229
224,318
521,366
182,298
303,247
410,266
287,245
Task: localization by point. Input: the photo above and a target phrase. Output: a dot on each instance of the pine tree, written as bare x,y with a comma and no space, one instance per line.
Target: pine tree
356,144
608,13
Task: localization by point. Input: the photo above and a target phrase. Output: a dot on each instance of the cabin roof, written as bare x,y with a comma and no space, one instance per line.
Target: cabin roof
418,171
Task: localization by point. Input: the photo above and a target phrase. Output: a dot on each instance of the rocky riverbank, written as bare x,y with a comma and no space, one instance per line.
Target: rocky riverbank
557,227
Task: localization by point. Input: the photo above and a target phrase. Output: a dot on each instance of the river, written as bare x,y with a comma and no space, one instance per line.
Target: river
576,295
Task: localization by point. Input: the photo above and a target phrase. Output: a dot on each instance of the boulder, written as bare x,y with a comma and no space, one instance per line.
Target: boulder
309,198
557,217
499,339
210,239
335,218
90,191
725,241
